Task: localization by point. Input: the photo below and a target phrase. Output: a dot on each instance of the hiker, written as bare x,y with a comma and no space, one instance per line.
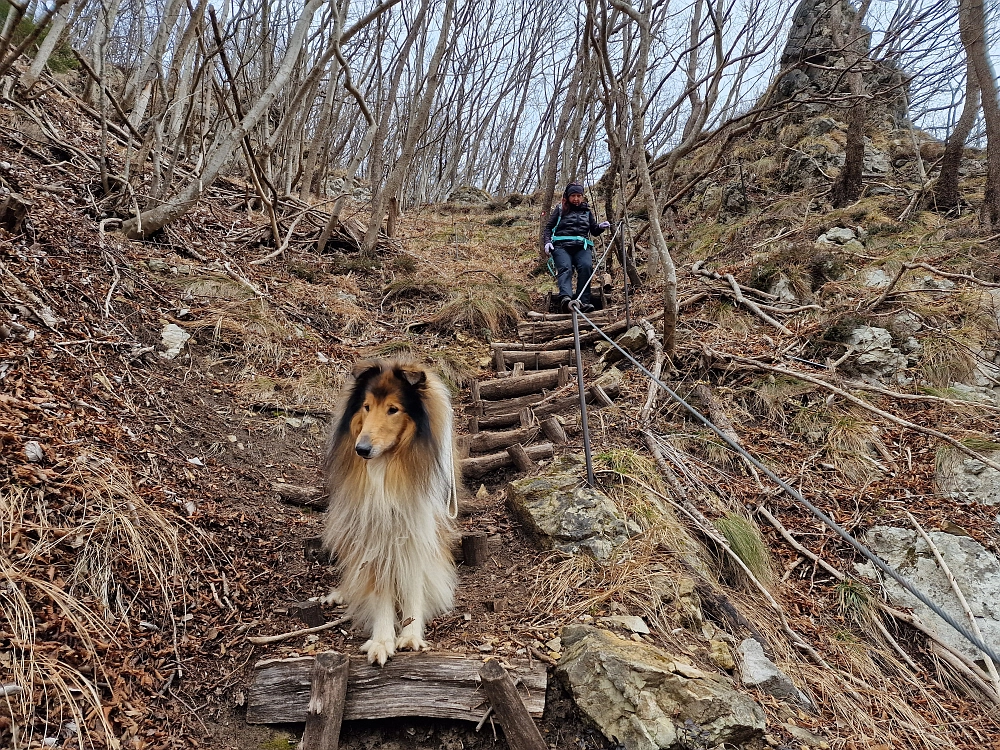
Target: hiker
566,239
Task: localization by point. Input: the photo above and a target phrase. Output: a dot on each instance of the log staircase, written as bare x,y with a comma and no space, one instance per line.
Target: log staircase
514,417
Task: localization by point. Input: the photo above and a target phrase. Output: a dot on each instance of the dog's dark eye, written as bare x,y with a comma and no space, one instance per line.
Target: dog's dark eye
367,407
392,410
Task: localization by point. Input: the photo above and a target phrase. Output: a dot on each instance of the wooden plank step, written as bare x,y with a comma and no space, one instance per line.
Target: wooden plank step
436,685
480,466
486,442
502,388
508,405
539,360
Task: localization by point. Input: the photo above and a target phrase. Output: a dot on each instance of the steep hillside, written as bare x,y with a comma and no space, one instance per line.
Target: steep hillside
144,541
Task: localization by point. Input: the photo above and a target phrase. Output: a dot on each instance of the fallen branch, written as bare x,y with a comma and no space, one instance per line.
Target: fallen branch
262,639
757,364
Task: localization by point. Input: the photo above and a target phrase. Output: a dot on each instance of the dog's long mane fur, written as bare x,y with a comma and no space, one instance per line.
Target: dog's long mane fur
388,521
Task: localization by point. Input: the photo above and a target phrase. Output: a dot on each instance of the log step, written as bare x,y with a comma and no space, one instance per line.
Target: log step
539,360
540,408
486,442
480,466
596,315
437,685
587,335
503,388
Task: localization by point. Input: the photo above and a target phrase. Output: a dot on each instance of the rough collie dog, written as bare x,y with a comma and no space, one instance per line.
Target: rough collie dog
390,474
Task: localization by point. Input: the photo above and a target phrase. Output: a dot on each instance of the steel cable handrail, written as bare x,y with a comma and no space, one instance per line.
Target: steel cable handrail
791,491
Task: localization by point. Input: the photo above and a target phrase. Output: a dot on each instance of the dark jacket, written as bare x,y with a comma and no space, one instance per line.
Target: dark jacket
578,221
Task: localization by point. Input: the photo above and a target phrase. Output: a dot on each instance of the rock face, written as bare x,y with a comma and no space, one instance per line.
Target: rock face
562,515
816,28
976,569
756,670
645,698
969,480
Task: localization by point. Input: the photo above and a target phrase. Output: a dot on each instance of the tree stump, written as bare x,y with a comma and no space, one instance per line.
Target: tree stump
554,431
521,458
475,549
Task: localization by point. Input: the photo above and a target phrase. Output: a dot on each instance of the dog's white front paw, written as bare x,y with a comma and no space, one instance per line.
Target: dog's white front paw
411,642
334,597
378,651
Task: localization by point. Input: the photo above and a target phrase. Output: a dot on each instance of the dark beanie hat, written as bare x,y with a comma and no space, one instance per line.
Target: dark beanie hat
572,188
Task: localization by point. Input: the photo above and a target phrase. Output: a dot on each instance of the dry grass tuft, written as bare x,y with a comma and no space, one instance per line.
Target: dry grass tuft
745,540
850,443
90,566
483,307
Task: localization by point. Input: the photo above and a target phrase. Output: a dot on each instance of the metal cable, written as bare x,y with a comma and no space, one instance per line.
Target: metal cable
798,497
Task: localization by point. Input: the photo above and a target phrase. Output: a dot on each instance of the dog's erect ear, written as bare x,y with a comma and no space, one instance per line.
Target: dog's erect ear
363,367
413,376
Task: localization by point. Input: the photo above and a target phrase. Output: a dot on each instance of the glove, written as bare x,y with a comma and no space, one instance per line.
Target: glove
604,224
548,248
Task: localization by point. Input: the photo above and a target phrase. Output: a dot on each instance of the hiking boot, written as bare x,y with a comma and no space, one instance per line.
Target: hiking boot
587,308
564,304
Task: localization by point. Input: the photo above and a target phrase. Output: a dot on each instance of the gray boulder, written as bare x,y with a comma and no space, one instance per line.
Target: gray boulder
756,670
837,236
562,514
875,357
976,569
647,699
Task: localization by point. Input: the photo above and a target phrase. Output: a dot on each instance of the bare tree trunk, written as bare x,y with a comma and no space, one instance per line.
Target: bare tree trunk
972,26
946,195
847,187
414,130
552,163
153,220
48,45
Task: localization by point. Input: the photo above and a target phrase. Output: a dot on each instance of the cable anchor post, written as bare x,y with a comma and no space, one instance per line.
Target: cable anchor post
575,307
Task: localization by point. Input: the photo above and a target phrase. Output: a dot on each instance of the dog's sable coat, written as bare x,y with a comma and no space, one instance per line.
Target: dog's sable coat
389,469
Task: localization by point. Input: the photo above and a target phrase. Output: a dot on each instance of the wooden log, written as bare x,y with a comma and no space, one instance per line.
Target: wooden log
473,425
554,431
326,701
463,445
541,360
517,370
480,466
564,343
491,408
503,388
435,685
527,418
520,458
607,284
476,397
498,362
475,549
310,497
518,727
486,442
570,403
499,421
596,315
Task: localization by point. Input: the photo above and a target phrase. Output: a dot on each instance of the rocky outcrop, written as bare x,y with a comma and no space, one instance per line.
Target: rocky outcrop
561,514
969,480
469,194
647,699
976,569
874,356
813,47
